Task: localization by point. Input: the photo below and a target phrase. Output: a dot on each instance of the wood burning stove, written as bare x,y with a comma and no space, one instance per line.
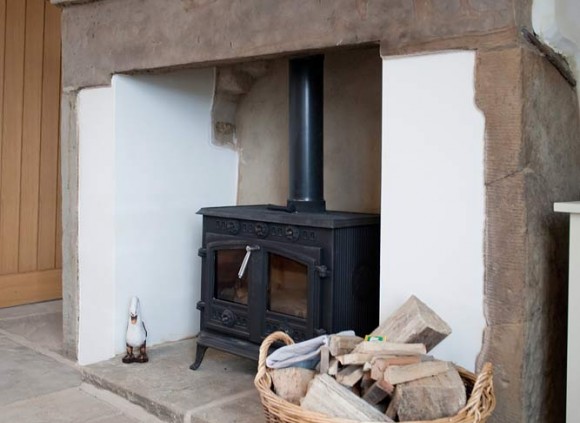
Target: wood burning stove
297,268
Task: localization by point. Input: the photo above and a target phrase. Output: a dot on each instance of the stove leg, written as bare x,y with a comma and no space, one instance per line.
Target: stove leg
199,353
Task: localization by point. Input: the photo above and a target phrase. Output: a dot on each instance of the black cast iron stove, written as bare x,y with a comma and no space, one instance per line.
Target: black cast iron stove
297,268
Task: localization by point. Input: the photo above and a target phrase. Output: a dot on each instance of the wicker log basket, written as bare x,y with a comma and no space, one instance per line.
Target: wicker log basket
479,407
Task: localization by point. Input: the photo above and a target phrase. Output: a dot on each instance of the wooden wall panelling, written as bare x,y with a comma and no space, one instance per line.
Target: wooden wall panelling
12,135
49,141
23,288
33,63
2,55
30,232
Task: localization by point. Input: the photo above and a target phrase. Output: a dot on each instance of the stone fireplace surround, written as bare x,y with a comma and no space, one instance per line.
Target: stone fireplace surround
532,149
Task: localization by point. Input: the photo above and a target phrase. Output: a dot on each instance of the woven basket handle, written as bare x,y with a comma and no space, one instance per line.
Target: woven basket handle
482,394
265,347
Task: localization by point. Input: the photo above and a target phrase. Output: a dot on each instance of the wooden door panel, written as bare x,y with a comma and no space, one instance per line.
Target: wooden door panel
30,257
33,71
49,141
12,135
25,288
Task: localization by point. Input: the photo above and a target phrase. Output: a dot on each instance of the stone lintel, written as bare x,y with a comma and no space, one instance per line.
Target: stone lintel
106,37
487,40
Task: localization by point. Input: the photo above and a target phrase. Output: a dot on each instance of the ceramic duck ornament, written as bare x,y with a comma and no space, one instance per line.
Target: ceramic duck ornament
136,335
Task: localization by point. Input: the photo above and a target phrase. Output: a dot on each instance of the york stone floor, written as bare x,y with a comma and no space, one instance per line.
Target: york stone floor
39,385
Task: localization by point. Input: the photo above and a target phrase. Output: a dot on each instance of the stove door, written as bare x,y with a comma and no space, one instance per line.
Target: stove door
231,268
292,290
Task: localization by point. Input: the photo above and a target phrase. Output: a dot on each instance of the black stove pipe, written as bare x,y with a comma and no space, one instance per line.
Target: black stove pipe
306,184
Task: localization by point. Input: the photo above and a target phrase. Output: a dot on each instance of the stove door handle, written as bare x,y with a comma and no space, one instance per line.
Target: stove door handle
249,250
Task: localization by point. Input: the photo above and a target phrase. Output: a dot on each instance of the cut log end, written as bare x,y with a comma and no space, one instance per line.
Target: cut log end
328,397
430,398
291,383
413,322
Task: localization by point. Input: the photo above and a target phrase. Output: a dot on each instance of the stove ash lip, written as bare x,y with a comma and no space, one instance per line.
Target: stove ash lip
305,135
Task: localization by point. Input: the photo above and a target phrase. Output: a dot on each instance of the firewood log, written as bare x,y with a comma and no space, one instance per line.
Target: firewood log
325,395
413,322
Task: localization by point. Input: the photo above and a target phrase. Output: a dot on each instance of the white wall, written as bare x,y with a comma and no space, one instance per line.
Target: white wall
145,163
568,17
166,169
557,22
432,202
96,224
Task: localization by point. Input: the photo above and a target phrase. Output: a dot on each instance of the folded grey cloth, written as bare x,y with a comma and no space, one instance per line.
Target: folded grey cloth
303,354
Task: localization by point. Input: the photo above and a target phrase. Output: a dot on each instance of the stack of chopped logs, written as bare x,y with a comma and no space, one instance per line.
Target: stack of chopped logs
388,377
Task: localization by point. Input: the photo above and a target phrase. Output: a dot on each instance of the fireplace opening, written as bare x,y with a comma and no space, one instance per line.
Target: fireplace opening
299,268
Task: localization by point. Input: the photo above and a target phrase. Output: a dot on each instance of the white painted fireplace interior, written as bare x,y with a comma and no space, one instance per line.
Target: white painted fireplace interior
147,165
145,162
433,195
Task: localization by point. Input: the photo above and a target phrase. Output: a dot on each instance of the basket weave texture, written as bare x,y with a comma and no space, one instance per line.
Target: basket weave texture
479,406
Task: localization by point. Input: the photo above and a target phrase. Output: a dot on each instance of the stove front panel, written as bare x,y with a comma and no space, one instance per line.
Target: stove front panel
304,274
253,287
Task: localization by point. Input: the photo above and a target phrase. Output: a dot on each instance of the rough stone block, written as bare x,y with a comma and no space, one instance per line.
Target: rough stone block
503,346
99,35
498,93
69,164
505,251
551,128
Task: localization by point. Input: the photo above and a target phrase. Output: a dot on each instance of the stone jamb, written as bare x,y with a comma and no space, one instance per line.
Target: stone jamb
551,152
69,157
499,95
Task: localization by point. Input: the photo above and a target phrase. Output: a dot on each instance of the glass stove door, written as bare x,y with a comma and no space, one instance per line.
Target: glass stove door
232,271
228,286
287,286
258,287
292,290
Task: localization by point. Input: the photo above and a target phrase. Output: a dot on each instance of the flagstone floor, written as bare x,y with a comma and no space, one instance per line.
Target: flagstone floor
39,385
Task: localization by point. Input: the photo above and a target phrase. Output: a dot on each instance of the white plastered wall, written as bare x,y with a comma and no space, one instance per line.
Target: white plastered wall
155,166
97,320
557,22
433,195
